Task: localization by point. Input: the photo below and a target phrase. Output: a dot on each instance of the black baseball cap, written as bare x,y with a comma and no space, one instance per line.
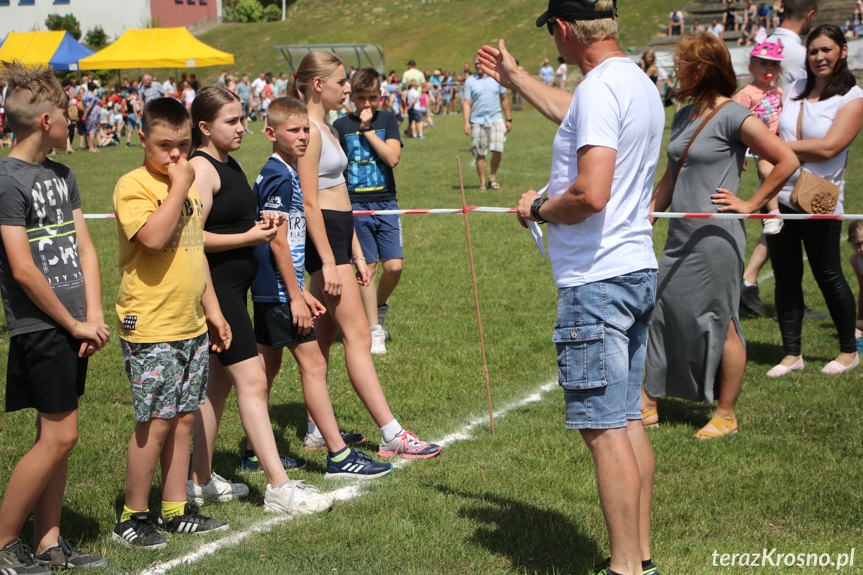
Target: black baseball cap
573,10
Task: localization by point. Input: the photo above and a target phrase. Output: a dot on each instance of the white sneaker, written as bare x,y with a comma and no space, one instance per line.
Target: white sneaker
772,227
296,498
216,489
379,340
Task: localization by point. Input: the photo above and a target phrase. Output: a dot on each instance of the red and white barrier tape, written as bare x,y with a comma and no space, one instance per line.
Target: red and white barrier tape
667,215
734,216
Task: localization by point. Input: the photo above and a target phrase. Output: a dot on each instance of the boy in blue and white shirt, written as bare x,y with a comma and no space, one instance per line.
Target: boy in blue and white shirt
284,311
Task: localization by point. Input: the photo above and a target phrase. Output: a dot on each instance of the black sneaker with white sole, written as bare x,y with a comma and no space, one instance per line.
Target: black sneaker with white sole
66,556
138,531
192,522
17,557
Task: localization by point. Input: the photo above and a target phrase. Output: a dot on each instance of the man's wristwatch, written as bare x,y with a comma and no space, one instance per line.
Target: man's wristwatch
534,209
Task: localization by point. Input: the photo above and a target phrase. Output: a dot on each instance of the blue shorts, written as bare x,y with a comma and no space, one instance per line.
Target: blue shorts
380,236
601,340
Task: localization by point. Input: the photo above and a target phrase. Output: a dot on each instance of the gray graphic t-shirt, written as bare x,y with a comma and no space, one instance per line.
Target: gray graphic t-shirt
40,198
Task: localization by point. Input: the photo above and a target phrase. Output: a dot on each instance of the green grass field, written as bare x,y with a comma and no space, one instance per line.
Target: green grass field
522,500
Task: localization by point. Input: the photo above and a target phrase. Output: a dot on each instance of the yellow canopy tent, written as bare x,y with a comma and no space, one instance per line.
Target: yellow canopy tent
156,48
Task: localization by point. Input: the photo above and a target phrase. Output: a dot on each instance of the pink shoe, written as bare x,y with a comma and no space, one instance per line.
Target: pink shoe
835,368
409,446
779,370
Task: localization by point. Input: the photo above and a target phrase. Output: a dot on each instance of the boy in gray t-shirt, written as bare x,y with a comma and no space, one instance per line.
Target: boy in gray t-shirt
49,275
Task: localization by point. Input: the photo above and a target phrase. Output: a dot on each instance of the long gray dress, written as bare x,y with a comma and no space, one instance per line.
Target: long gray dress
698,289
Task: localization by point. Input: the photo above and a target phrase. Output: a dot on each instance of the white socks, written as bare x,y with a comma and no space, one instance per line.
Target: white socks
390,430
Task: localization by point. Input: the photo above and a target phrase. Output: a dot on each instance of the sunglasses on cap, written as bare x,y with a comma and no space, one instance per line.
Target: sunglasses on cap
549,25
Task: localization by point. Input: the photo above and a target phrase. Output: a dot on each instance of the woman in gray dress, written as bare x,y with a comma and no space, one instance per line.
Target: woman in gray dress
695,348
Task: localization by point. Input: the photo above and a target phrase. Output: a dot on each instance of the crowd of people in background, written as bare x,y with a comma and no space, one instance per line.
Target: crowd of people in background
104,115
750,22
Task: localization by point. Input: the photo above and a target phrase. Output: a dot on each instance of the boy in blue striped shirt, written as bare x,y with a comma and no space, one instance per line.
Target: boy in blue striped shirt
284,310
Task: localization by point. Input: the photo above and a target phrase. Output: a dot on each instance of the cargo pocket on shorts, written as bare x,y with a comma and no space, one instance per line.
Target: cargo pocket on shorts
581,356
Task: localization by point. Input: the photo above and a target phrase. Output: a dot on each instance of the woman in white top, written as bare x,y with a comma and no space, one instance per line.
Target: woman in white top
560,74
832,108
332,244
187,95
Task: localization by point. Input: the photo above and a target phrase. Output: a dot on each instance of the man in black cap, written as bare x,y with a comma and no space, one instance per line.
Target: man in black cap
599,240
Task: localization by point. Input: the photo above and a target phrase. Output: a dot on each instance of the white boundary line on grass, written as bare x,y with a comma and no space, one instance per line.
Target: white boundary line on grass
343,493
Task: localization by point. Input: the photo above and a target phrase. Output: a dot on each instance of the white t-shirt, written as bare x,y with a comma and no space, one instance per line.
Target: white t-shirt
817,119
258,85
615,106
716,29
561,73
794,54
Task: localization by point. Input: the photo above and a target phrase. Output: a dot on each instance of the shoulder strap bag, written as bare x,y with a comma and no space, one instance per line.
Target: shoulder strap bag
812,193
695,135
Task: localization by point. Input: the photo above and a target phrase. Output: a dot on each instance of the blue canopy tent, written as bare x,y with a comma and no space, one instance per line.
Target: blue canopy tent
57,49
68,53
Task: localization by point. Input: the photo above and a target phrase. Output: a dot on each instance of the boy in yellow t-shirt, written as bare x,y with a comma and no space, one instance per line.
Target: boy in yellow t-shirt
164,306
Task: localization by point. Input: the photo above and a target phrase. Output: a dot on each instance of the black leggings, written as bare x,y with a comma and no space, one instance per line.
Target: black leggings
821,240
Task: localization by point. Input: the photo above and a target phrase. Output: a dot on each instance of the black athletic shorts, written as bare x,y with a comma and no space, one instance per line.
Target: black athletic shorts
274,326
340,234
45,372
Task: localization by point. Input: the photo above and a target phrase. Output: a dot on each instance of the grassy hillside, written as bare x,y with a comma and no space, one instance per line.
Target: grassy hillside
443,33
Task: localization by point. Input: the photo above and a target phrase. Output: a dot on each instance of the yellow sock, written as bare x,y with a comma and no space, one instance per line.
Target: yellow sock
171,509
127,513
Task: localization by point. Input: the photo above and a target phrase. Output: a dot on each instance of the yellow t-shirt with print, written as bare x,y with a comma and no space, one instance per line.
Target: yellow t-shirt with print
160,293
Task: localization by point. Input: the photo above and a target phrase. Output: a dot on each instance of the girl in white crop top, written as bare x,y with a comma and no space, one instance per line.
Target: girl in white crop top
322,81
332,162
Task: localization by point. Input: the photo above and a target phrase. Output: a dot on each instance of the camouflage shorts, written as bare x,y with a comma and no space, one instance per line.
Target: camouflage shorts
168,377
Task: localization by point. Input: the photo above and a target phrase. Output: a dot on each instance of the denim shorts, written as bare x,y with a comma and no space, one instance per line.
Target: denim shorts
601,340
380,236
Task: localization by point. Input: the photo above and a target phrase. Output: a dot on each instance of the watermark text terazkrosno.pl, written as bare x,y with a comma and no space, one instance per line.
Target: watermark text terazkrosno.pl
775,558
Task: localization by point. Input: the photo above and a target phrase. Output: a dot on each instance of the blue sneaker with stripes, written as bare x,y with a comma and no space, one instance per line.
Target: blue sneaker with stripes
356,465
251,462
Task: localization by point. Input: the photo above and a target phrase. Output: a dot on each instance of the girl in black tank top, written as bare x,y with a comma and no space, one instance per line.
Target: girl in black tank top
230,234
233,211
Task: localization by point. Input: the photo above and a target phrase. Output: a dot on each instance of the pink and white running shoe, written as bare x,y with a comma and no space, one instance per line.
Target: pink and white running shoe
409,446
